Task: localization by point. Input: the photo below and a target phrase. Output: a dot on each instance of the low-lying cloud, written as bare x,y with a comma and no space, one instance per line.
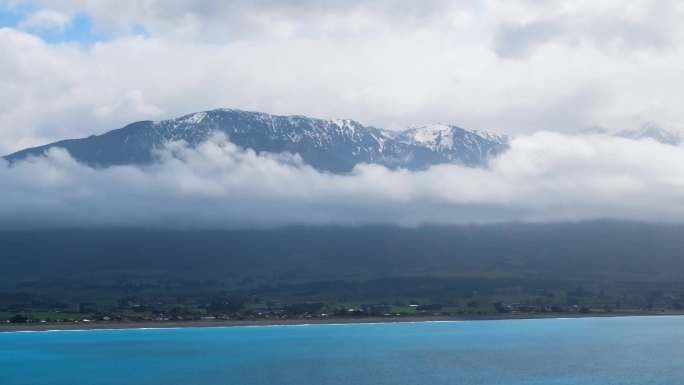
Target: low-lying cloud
543,177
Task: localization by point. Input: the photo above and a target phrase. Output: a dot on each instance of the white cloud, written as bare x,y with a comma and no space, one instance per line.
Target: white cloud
46,19
543,177
212,19
512,67
609,25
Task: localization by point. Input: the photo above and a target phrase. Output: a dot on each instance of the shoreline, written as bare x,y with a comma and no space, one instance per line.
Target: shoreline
132,325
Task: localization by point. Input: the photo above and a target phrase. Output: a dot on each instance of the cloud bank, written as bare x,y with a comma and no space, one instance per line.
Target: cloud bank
543,177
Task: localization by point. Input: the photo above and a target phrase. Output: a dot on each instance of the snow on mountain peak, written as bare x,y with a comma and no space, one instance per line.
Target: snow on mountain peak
193,118
345,124
429,132
491,137
435,135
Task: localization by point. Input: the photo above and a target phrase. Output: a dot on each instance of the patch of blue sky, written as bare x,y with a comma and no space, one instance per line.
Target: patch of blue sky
139,30
14,15
80,30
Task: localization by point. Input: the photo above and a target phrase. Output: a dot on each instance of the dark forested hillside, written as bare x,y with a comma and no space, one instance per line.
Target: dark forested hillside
475,268
588,248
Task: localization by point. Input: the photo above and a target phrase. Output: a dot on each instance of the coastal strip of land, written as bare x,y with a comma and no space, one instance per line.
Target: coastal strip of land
98,325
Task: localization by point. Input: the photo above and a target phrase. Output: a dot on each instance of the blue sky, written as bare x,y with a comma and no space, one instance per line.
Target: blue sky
10,17
79,29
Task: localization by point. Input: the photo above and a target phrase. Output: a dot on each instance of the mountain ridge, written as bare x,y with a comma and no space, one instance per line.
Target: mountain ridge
334,145
646,131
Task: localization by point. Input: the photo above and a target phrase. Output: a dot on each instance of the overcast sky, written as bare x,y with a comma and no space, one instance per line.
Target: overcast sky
536,70
71,68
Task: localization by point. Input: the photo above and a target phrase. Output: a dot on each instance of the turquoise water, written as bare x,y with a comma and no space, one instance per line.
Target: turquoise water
637,350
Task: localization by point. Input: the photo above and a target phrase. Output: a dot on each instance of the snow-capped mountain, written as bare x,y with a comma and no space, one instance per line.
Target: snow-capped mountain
332,145
646,131
453,144
651,131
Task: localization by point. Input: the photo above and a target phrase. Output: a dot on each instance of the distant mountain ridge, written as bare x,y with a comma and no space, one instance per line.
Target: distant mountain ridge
646,131
335,145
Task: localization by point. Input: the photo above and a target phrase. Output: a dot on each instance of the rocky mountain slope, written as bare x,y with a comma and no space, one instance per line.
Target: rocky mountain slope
329,145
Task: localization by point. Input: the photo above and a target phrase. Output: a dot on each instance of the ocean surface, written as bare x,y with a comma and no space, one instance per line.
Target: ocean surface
632,350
